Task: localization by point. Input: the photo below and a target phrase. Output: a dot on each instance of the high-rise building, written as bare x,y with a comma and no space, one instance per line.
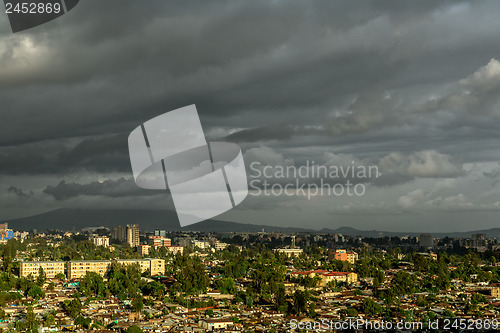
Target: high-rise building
426,241
119,233
479,240
133,235
5,232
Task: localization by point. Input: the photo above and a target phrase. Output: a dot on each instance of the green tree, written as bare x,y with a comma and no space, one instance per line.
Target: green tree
31,321
36,292
3,314
403,283
351,312
370,307
92,284
134,329
378,278
49,319
9,253
280,299
477,298
137,303
73,307
300,299
41,278
83,322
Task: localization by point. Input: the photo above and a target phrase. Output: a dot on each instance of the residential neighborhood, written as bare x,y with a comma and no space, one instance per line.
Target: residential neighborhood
242,282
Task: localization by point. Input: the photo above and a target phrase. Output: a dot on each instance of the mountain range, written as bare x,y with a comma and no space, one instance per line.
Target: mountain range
66,219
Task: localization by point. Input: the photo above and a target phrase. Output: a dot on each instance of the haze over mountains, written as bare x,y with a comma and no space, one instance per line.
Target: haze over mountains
75,219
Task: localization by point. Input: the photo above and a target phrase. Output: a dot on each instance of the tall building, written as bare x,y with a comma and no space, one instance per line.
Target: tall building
5,232
133,235
479,240
51,268
426,241
119,233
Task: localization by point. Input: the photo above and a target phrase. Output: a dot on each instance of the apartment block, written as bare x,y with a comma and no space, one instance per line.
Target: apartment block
289,252
143,250
201,244
159,241
220,245
155,266
326,276
175,249
78,268
344,255
51,268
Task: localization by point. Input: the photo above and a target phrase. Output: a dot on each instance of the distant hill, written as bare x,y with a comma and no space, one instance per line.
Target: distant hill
149,220
490,233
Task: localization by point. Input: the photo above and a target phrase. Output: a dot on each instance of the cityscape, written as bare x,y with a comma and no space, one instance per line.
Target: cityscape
249,166
123,279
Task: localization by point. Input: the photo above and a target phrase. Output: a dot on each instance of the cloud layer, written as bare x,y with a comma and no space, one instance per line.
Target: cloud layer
410,88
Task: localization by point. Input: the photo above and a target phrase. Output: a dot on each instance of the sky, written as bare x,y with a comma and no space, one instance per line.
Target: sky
411,88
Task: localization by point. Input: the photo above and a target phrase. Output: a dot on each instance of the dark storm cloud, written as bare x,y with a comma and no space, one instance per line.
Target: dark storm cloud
409,86
238,61
18,192
103,154
109,188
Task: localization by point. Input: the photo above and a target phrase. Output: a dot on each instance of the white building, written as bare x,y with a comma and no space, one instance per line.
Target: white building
100,240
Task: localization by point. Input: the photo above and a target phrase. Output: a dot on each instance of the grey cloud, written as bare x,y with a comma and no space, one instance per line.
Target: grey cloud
369,111
108,188
19,192
273,132
425,164
103,154
362,80
214,54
